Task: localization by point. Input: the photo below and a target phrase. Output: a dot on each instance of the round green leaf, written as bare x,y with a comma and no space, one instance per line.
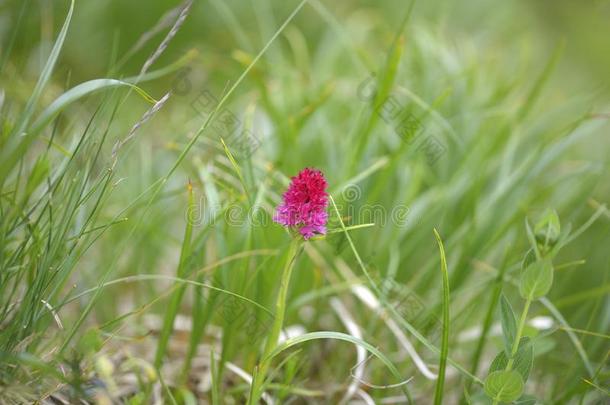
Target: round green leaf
536,280
523,361
504,386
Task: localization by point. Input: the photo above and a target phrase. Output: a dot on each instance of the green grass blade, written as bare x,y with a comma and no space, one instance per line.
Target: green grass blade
438,394
12,153
176,298
392,311
45,75
347,338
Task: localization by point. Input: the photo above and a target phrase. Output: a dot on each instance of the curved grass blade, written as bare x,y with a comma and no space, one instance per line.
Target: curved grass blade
45,74
390,309
77,92
347,338
176,298
438,394
148,277
11,155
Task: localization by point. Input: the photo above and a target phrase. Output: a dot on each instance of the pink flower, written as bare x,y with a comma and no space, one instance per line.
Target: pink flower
304,204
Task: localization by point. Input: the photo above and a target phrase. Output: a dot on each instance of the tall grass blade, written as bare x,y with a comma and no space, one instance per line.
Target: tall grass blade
440,383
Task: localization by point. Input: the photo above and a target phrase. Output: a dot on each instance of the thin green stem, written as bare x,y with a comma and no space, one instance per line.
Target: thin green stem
519,333
513,351
261,370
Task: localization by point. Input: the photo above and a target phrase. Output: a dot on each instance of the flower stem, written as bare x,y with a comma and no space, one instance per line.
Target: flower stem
513,352
260,372
519,333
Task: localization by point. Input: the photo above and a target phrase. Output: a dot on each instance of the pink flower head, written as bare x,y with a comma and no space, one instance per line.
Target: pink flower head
304,204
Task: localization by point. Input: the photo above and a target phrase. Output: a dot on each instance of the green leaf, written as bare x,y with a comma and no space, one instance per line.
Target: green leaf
186,396
524,359
509,323
438,396
536,280
91,342
504,386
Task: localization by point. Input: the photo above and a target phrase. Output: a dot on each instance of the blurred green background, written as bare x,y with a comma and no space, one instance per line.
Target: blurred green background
517,26
476,63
